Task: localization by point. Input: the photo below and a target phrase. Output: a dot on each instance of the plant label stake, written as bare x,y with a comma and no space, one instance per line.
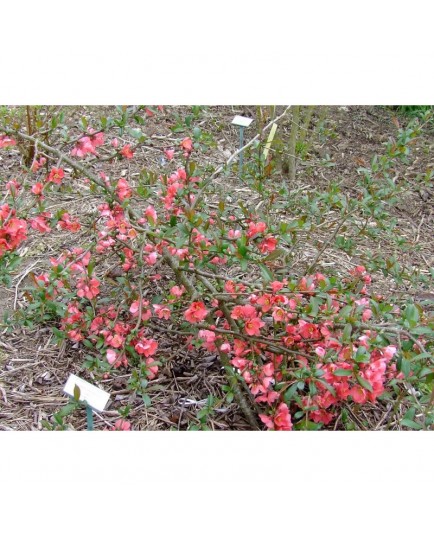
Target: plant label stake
91,396
242,122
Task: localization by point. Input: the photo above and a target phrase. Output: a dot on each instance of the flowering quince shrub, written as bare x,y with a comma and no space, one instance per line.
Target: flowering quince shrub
301,349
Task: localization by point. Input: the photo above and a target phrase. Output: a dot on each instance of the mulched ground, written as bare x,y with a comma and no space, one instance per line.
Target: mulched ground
33,370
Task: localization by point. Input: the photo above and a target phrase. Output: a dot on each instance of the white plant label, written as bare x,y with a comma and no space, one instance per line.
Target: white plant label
94,396
241,121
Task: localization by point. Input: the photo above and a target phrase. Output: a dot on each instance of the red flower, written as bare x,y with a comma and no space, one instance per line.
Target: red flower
177,291
66,222
187,145
87,288
146,347
123,189
40,224
56,175
268,244
162,311
244,312
359,394
127,152
281,419
196,312
37,188
83,147
13,232
253,326
256,228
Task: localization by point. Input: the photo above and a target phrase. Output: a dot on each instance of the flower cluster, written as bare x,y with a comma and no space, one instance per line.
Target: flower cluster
13,230
88,144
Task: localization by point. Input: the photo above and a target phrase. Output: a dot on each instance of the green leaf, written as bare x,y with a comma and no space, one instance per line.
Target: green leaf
342,372
364,383
405,367
411,424
289,393
346,334
66,410
275,255
58,333
411,314
307,425
314,304
266,273
146,400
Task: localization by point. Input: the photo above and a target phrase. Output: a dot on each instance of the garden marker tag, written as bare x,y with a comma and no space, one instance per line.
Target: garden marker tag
95,397
241,121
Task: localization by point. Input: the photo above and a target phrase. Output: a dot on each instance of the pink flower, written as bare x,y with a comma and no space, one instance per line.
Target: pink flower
111,356
83,146
37,188
87,288
6,141
276,286
122,425
152,369
123,189
170,153
366,315
278,314
320,351
359,394
256,228
225,348
162,311
321,415
127,152
56,175
234,233
266,302
13,186
253,326
37,164
244,312
389,352
267,245
66,222
151,258
196,312
134,308
177,291
282,418
151,214
207,335
269,398
268,421
187,145
146,347
39,223
115,143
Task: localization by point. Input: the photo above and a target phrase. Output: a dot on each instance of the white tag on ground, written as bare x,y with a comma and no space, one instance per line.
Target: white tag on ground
241,121
95,397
